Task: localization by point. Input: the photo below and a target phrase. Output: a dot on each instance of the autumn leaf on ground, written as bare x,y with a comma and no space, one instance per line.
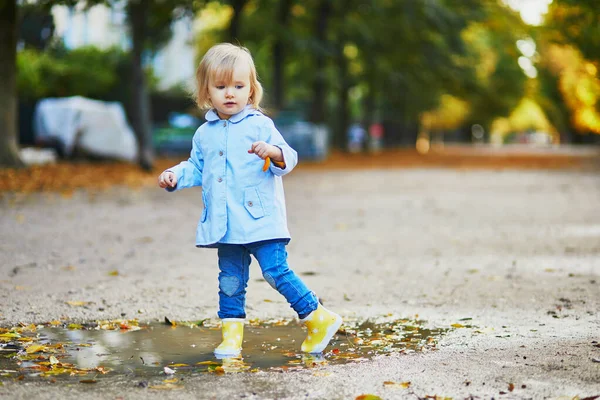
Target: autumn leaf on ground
368,397
166,386
113,273
36,348
77,303
402,385
168,371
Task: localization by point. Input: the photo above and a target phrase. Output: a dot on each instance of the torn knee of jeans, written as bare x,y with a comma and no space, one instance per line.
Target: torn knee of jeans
229,284
270,279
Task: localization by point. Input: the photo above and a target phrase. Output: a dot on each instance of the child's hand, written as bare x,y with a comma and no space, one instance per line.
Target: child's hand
264,150
167,179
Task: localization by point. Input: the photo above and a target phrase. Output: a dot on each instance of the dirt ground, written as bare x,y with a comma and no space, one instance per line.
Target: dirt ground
509,240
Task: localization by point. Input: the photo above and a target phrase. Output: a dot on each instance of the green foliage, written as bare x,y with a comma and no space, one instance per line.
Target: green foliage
86,71
577,22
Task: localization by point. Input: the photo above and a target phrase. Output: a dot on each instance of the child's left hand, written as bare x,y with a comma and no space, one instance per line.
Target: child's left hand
264,150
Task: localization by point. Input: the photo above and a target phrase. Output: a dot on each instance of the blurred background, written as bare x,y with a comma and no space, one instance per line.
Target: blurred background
114,79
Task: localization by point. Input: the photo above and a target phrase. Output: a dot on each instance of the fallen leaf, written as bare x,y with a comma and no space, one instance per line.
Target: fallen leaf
168,371
77,303
511,387
36,348
167,386
207,363
368,397
403,385
53,360
114,273
457,325
169,322
178,365
88,381
172,380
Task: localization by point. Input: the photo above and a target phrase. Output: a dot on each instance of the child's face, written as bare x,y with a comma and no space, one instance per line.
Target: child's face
229,98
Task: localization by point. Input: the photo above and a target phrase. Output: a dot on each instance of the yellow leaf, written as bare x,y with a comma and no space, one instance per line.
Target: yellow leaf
167,386
36,348
77,303
207,363
114,273
8,336
173,380
403,385
457,326
368,397
178,365
268,301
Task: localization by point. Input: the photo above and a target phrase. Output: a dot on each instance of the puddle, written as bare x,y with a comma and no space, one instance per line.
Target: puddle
101,350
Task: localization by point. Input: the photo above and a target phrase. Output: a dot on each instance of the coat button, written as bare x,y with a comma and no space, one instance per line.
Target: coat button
224,123
220,153
250,204
220,180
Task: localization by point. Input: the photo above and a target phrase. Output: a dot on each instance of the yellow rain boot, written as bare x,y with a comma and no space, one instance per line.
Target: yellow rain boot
232,330
322,324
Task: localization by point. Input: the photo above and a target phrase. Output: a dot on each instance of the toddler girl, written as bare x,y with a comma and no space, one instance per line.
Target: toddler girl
239,157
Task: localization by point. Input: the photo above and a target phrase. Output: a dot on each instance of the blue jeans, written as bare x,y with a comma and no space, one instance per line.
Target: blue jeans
234,263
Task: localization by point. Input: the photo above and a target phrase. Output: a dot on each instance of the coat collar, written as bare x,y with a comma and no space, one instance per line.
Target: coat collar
212,115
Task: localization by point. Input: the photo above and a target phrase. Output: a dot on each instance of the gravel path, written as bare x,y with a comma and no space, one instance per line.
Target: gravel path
516,251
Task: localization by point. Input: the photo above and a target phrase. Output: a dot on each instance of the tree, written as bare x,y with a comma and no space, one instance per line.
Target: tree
570,48
9,153
139,13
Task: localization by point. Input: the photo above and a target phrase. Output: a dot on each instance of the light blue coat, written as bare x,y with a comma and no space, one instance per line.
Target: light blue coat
242,203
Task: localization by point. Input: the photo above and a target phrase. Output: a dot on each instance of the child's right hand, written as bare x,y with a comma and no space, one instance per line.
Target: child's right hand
167,179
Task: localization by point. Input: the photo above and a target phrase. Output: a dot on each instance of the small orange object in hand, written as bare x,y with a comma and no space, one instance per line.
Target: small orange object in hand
267,164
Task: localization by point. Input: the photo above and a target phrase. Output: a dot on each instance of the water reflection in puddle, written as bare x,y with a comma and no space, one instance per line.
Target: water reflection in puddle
188,348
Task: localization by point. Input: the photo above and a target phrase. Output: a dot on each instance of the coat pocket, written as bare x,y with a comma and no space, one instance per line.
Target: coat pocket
253,203
205,210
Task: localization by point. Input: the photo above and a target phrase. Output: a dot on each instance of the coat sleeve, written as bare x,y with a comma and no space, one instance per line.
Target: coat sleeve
189,172
290,156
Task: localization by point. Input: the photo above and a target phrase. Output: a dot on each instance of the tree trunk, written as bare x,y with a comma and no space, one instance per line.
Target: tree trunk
283,18
9,151
234,24
140,105
317,113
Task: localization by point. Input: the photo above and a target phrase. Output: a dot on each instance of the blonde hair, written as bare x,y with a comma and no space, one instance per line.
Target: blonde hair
218,64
